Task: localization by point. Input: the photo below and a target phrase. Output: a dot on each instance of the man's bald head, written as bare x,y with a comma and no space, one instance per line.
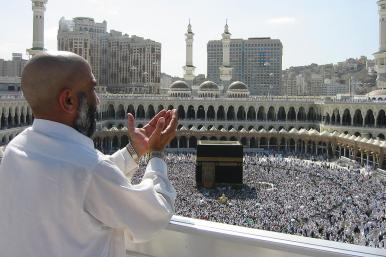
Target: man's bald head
45,75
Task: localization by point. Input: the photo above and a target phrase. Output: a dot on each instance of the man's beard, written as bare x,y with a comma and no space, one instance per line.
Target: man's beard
85,123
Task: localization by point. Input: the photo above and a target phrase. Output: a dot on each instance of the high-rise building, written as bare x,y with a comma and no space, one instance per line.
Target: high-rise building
122,63
255,61
14,67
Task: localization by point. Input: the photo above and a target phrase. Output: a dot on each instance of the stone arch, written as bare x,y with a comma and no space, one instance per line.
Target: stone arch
221,113
191,114
181,112
124,140
115,143
381,136
174,143
150,113
281,115
131,110
358,119
369,119
241,113
231,113
311,116
183,142
160,108
170,107
301,114
263,142
261,116
111,111
210,114
291,114
201,112
328,119
253,142
251,115
244,142
273,144
16,118
140,112
271,114
22,115
346,119
3,121
381,119
121,112
192,142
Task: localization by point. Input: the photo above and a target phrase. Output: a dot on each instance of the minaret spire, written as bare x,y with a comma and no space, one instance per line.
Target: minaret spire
189,68
226,69
380,56
38,8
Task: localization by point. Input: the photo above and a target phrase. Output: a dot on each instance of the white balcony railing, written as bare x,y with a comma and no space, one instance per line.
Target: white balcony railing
186,237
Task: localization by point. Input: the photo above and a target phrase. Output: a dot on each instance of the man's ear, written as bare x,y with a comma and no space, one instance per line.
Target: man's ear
67,101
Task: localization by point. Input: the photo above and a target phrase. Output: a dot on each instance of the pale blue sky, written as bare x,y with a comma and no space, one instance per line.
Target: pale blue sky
319,31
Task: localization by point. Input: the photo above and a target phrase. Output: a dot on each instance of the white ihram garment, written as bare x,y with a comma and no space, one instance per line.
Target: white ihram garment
61,197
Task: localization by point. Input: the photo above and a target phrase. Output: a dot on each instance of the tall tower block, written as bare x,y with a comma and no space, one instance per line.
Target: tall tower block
380,56
38,8
226,69
189,68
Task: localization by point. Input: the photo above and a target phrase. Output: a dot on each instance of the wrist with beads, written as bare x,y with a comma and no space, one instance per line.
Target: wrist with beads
132,152
158,154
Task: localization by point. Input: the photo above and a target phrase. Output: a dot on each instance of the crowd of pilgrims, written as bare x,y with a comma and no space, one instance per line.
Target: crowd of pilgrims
288,194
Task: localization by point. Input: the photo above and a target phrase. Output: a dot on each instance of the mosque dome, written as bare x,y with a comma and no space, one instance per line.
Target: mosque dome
378,92
238,86
179,85
209,86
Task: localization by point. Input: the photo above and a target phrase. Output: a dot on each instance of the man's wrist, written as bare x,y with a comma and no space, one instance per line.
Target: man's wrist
132,152
158,154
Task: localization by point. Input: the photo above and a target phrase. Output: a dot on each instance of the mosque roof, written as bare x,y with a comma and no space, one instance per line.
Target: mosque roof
209,86
238,86
179,85
378,92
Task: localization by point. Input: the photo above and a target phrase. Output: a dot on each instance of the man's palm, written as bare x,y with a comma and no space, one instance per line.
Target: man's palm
139,137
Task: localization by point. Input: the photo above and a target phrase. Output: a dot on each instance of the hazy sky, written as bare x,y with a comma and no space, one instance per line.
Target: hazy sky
319,31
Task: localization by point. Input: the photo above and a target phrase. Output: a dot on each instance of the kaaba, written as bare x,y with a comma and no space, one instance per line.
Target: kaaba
219,162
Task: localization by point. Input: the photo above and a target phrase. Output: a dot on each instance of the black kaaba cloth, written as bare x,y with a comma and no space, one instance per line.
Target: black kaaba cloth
219,162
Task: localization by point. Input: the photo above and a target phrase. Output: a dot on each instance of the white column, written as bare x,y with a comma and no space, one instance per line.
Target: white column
38,8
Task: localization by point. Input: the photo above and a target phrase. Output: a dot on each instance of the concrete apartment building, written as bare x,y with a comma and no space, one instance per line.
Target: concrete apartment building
255,61
122,63
14,67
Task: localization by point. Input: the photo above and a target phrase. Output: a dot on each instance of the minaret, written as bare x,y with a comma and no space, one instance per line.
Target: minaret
226,69
38,8
189,68
380,56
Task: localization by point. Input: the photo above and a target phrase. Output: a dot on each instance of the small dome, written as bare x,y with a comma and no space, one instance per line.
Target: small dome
209,86
179,85
238,86
378,92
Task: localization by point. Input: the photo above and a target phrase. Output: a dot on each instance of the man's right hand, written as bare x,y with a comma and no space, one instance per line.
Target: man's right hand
161,137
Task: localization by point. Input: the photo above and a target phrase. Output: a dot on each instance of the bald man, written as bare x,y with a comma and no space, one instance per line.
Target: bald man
59,196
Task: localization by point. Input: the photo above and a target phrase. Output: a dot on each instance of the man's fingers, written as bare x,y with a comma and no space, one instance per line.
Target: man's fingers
171,128
158,128
154,120
130,123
